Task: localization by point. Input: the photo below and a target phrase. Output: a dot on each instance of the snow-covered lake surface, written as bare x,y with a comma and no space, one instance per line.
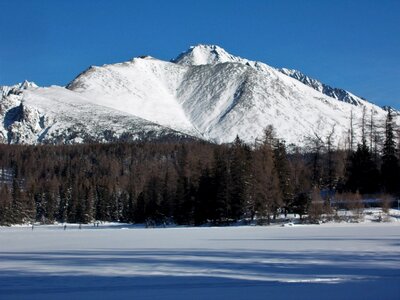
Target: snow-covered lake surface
329,261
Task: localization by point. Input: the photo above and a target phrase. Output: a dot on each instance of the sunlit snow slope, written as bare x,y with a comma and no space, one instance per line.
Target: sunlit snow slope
204,93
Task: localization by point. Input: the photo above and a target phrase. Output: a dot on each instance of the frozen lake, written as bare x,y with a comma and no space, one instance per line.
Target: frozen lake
330,261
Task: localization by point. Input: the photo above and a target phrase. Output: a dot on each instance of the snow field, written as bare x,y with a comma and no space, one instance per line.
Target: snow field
329,261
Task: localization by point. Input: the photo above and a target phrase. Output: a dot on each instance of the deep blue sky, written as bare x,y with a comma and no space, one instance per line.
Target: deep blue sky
350,44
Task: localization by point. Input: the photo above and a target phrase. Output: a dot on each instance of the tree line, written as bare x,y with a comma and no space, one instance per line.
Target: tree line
191,182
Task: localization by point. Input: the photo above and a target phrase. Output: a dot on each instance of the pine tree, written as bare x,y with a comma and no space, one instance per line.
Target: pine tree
167,195
63,204
281,164
351,133
239,181
140,216
315,147
222,187
390,163
52,200
5,206
153,198
17,205
265,190
88,205
330,161
362,172
183,200
204,209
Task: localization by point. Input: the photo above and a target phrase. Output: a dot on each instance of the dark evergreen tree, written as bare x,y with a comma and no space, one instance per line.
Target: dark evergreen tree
390,163
281,164
153,200
204,210
362,172
17,205
331,164
5,206
65,195
315,147
240,167
265,191
140,215
301,203
128,211
221,183
167,195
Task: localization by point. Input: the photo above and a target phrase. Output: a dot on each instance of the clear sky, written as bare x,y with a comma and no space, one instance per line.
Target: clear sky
350,44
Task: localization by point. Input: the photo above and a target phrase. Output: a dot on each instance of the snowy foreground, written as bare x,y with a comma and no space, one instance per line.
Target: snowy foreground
329,261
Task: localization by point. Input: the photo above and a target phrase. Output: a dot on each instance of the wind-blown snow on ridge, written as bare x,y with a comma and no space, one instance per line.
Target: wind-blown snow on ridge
337,93
205,93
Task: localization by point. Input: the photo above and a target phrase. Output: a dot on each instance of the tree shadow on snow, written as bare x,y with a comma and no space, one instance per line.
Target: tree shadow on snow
191,273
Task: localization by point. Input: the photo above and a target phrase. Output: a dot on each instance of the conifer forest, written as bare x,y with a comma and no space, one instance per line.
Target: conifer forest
195,182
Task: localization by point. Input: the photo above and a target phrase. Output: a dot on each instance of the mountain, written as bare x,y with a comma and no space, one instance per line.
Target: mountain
55,115
204,93
15,89
335,93
206,55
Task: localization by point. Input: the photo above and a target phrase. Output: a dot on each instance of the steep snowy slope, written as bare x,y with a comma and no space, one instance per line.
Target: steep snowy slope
205,92
56,115
144,87
231,95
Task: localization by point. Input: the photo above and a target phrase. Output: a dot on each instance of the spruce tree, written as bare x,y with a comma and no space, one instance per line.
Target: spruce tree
390,163
5,206
239,181
204,209
265,190
281,164
222,186
362,172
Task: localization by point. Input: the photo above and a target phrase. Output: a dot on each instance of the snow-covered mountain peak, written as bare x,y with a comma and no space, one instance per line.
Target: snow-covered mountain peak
16,88
206,55
205,93
27,84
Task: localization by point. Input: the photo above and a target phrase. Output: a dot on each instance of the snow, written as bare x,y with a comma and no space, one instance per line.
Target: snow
206,55
4,89
210,93
143,87
206,92
329,261
58,115
336,93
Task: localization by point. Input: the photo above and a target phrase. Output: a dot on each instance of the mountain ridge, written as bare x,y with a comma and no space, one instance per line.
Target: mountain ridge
337,93
204,93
